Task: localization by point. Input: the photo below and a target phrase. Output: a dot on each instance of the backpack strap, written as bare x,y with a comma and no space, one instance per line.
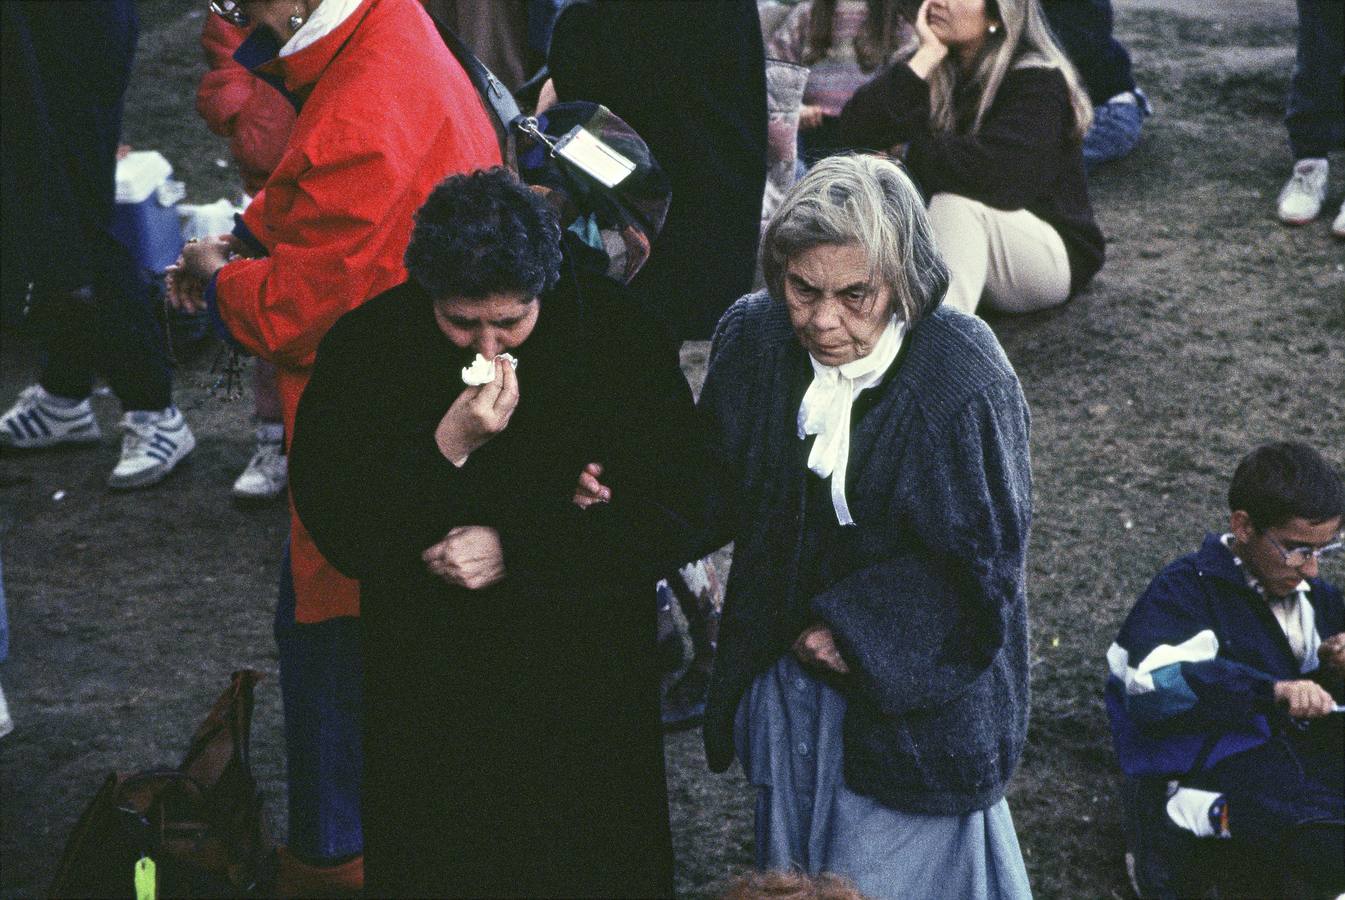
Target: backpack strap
490,89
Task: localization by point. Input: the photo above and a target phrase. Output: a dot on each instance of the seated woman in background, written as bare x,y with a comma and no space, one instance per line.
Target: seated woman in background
843,43
511,720
990,116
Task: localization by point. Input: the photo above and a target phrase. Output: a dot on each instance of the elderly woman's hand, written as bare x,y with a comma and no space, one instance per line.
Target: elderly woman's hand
816,648
590,490
469,556
477,415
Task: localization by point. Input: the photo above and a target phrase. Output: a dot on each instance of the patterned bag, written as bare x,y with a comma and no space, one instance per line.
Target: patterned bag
598,173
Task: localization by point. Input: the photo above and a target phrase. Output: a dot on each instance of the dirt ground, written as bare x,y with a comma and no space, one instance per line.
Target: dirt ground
1211,328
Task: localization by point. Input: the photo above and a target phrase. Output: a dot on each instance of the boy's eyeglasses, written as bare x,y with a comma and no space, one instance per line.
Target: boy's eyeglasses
1299,556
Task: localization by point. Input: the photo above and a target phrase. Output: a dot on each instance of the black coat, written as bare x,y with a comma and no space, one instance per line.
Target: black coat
691,79
512,742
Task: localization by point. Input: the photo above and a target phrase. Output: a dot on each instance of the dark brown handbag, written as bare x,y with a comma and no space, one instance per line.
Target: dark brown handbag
201,823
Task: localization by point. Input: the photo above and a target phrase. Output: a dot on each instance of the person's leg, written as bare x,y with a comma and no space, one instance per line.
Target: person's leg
1013,261
112,331
1279,793
267,472
1314,853
64,326
1114,133
959,230
1315,111
321,685
265,393
125,337
1029,269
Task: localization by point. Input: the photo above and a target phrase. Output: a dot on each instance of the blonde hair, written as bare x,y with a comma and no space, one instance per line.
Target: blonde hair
1023,40
868,202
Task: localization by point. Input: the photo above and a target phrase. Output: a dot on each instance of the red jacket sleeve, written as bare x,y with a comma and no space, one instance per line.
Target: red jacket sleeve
323,260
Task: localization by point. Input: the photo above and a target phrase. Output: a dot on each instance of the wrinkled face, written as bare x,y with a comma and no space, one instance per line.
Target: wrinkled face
837,315
1263,551
488,325
961,24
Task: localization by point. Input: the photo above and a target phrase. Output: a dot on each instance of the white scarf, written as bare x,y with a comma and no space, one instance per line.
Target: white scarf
825,410
1294,613
323,21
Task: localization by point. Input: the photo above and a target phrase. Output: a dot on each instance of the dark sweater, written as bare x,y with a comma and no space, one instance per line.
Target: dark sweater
927,602
1084,29
1025,155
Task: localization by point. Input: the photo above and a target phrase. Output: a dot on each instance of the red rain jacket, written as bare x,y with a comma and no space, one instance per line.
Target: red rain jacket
253,115
386,113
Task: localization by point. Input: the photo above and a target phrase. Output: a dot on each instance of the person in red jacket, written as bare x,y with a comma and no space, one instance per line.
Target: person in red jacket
257,120
384,113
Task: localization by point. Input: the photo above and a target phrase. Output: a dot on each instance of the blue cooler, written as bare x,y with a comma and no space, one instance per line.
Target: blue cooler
145,218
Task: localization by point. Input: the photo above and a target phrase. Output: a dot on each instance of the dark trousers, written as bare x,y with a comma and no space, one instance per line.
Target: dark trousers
66,67
1315,114
1287,797
115,333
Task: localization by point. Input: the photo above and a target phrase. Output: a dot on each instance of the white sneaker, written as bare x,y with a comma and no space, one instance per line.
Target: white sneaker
1338,226
1304,192
6,723
152,444
39,419
267,472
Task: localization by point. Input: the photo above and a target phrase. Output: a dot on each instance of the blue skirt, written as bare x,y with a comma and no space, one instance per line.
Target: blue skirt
788,738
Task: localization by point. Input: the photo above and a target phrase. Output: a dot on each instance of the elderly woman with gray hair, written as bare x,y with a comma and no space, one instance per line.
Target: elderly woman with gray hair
872,452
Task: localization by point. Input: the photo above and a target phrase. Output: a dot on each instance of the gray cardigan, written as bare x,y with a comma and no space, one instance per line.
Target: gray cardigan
933,618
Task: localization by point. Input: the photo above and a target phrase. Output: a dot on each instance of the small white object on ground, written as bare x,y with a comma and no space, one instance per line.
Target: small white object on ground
58,496
6,723
482,370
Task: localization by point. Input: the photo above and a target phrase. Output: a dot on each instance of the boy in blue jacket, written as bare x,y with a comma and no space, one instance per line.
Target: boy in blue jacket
1227,675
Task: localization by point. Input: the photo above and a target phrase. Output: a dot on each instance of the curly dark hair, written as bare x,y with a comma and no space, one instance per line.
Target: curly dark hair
1277,482
484,233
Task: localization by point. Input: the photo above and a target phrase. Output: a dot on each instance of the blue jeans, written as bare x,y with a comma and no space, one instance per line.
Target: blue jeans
1115,131
1315,112
322,686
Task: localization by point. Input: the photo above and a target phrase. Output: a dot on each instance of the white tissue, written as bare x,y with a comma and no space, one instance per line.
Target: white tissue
482,370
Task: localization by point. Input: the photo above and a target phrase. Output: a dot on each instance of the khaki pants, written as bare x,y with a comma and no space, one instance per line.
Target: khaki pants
1013,261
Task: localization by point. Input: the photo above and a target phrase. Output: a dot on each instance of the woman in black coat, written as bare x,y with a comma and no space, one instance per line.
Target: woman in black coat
512,742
